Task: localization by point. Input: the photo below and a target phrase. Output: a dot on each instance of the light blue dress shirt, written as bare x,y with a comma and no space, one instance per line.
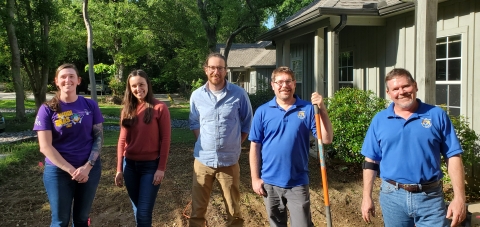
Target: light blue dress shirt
221,122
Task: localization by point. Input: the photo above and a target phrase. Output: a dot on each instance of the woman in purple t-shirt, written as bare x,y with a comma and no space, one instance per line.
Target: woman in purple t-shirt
70,135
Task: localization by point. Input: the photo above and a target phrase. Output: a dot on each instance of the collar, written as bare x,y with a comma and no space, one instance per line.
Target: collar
422,110
298,102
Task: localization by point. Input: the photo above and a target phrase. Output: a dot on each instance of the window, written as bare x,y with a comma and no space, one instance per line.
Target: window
297,67
345,66
448,77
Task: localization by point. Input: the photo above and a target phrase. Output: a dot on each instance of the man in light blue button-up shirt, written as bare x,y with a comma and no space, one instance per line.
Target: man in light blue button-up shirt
220,118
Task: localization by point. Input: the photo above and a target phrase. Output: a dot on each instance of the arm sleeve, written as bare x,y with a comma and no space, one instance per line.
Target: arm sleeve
194,116
246,114
164,125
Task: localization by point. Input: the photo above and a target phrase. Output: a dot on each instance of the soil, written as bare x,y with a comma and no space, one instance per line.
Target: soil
23,201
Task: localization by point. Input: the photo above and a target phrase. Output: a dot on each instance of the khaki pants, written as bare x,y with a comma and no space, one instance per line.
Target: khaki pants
229,180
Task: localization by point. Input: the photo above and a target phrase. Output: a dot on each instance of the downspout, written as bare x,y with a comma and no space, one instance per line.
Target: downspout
341,25
334,54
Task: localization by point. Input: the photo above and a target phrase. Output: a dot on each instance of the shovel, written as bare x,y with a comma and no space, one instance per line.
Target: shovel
323,168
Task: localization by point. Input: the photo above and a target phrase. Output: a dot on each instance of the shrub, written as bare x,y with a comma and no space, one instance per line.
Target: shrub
260,97
351,110
117,87
470,141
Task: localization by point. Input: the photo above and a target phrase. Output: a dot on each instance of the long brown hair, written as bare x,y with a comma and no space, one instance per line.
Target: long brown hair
54,103
130,102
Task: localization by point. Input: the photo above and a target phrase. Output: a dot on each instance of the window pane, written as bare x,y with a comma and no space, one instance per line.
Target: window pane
441,70
454,49
350,74
350,59
454,69
343,74
441,48
344,59
441,94
454,95
454,111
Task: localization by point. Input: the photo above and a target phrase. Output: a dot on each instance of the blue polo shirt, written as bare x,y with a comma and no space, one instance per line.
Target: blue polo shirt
409,150
285,139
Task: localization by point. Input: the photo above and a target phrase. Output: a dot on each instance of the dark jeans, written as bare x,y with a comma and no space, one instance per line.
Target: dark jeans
63,192
138,177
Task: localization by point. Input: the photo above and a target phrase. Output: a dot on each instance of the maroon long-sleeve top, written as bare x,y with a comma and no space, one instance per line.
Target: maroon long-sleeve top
144,142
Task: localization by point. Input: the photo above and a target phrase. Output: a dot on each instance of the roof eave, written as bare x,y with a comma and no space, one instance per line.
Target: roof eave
396,8
316,15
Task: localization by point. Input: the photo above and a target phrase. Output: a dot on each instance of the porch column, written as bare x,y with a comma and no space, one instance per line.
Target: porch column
426,39
332,72
279,53
286,53
319,62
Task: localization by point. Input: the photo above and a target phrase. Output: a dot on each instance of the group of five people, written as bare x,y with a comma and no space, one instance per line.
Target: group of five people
406,141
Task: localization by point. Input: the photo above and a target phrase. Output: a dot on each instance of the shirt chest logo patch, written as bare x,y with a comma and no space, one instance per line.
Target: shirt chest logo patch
426,123
301,115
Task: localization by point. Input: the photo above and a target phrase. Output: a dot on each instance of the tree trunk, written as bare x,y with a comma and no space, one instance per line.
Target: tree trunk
91,72
210,29
17,79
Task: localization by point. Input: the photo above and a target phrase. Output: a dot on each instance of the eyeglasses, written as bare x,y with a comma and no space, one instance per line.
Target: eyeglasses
213,68
282,82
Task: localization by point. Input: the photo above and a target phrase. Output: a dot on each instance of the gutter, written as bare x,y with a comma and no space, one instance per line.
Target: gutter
316,15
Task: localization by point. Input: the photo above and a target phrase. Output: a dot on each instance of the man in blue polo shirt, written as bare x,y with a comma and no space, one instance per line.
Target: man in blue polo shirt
406,141
280,143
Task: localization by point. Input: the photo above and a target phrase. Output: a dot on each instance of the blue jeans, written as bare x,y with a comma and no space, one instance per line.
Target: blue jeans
62,192
404,209
138,177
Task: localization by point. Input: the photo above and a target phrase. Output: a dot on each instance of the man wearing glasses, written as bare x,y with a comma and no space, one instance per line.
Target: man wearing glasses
220,118
279,149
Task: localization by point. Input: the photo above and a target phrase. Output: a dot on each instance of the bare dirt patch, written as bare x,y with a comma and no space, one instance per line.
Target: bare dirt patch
23,201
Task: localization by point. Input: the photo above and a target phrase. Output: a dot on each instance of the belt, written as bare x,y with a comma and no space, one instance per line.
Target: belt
415,187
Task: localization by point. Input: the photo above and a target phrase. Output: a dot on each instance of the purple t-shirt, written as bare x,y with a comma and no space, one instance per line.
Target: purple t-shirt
72,133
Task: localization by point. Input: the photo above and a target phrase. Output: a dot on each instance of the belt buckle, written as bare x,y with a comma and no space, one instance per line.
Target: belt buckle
411,187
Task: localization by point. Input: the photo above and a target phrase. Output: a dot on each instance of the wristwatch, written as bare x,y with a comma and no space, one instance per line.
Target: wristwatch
91,162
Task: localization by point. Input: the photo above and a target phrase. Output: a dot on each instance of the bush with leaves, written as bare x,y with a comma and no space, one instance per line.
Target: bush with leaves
260,97
470,141
117,87
351,110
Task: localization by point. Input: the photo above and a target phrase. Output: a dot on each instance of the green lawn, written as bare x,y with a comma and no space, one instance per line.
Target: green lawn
20,152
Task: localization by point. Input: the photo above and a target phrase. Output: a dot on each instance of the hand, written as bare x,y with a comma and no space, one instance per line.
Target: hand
158,177
368,208
457,211
257,185
119,179
317,99
81,173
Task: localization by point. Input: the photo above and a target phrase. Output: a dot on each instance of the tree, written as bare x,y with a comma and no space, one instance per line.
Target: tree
15,61
287,8
91,73
121,29
38,51
226,19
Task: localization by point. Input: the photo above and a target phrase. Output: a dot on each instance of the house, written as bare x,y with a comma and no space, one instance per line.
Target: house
250,65
332,44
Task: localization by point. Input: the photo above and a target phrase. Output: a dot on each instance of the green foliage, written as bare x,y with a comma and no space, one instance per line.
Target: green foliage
470,141
9,87
117,87
260,97
351,110
196,83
